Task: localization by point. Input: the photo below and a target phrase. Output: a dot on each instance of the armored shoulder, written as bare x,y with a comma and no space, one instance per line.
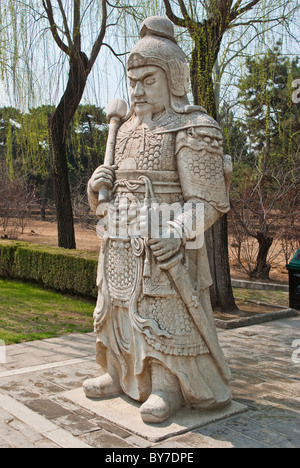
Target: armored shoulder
200,131
175,122
200,161
200,119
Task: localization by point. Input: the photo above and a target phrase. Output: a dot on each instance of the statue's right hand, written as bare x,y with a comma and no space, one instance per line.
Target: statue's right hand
103,177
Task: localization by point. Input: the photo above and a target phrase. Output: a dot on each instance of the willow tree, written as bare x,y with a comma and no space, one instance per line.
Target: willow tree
52,47
207,22
68,37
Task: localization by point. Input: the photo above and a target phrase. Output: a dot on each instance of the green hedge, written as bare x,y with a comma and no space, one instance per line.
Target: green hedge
70,271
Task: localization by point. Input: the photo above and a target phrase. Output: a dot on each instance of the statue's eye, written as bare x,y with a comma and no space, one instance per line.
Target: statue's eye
149,81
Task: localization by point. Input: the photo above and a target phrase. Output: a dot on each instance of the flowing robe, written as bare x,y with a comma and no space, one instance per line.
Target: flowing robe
140,316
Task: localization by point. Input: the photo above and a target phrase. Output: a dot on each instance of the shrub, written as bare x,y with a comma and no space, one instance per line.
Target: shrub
64,270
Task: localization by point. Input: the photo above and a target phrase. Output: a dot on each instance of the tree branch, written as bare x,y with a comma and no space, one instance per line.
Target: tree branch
241,221
175,19
237,11
184,11
259,21
49,10
64,17
76,25
112,50
99,41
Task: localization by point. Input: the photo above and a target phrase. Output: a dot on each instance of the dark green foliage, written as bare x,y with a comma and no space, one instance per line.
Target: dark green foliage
25,148
272,119
66,271
7,255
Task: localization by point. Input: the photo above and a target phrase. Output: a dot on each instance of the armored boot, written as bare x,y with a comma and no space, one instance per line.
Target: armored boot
166,397
107,385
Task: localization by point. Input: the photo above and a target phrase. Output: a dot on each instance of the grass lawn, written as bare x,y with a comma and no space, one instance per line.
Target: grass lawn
271,297
29,312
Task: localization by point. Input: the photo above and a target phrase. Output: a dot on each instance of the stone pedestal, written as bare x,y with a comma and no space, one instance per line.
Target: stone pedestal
125,413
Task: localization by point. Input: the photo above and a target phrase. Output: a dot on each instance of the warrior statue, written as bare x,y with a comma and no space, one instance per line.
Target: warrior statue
156,337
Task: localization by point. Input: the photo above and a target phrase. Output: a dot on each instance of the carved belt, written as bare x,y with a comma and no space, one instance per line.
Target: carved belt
139,186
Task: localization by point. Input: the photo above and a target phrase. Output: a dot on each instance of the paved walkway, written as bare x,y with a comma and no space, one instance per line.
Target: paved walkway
266,377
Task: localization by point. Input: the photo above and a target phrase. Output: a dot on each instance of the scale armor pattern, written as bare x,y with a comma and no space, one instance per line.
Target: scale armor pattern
121,269
146,148
172,316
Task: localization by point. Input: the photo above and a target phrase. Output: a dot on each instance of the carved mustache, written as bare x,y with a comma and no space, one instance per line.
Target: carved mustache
142,101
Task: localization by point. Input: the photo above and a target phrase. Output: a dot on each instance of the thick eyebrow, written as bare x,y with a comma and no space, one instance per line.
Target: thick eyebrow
143,77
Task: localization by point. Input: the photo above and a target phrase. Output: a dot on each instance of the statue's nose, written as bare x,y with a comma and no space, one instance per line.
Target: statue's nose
139,90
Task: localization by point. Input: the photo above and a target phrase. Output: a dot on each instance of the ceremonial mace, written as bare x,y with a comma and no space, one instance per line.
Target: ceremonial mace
116,111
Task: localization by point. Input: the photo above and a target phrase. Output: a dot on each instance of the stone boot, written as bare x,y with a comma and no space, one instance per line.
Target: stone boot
105,386
166,397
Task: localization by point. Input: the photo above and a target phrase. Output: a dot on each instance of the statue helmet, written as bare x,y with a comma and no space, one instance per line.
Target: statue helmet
158,47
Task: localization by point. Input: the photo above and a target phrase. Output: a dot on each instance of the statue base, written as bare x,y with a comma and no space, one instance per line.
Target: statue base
125,413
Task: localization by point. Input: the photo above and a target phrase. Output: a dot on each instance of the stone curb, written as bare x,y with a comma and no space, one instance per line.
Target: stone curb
243,284
256,319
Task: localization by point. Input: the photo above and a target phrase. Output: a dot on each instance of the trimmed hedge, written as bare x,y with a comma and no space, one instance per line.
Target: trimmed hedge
69,271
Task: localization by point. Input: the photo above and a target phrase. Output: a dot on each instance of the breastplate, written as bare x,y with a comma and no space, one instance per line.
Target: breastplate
144,150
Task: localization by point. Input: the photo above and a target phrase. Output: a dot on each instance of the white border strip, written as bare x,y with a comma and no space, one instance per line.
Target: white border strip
51,365
40,424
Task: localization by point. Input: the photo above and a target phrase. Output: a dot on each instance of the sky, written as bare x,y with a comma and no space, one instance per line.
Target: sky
107,79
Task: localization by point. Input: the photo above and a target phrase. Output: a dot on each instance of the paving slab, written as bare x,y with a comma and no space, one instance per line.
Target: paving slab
35,413
39,424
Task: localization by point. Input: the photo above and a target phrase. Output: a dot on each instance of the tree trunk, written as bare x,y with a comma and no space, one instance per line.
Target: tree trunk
58,126
207,40
262,269
206,49
209,239
224,295
44,198
61,188
202,84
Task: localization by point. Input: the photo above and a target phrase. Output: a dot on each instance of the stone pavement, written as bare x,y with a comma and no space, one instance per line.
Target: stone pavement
266,377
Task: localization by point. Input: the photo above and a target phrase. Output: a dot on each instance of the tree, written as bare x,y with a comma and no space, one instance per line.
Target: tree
70,42
25,149
272,119
17,194
270,194
77,29
235,139
86,141
9,148
207,34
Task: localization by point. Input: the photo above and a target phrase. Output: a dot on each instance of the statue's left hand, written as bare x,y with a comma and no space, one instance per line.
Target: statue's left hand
166,246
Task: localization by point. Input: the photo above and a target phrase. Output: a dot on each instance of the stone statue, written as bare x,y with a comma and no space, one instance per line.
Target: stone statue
156,337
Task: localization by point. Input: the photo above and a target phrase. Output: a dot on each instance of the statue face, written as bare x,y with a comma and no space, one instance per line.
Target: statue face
149,90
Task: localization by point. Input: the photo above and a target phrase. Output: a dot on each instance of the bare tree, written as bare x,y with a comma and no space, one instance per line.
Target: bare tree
264,208
17,199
